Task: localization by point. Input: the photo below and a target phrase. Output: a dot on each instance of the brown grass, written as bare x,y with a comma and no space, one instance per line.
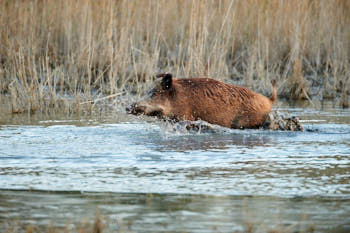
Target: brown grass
60,53
101,225
96,226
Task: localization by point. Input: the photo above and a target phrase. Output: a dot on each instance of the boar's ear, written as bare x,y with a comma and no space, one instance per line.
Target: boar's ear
167,81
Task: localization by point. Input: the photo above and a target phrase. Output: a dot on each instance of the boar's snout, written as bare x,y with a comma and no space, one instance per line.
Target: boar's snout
129,108
135,109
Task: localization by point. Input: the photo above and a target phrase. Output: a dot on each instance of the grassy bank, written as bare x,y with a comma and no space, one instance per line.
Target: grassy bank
62,53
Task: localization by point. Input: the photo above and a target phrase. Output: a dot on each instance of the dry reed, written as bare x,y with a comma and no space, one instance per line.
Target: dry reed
61,53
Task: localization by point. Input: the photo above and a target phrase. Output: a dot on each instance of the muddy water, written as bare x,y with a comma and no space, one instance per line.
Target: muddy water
143,175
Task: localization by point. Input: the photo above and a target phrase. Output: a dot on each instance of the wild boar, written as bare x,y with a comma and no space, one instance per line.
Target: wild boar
205,99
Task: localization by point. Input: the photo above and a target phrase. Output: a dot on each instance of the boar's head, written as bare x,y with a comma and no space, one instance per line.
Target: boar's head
158,100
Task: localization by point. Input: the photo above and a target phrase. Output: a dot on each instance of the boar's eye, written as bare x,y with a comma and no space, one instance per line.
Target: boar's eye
153,94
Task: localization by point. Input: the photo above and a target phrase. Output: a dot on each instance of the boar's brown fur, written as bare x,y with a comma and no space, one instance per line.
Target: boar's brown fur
205,99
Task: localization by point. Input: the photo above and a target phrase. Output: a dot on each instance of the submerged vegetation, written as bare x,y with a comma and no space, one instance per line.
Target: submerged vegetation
58,54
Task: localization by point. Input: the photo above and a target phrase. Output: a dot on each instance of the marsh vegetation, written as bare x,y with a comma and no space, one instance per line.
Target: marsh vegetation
58,54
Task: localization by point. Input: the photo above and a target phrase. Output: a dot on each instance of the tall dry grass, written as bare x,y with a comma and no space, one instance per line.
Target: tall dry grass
55,53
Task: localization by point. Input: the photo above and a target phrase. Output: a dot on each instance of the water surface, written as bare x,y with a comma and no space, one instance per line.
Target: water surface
140,172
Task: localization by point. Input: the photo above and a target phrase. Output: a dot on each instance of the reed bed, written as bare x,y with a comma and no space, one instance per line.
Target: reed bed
58,54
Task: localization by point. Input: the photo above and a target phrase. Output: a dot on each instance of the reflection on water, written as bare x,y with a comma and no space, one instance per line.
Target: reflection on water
139,212
208,142
149,173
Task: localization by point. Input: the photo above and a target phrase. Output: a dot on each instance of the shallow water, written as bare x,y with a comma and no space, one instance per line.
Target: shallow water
147,175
